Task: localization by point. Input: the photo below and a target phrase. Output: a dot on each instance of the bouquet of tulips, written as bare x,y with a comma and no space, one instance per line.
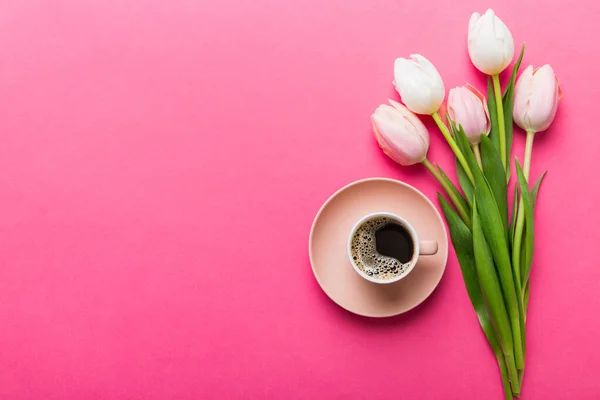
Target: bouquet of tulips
494,247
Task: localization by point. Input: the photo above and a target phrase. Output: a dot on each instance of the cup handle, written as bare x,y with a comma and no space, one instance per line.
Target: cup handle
428,247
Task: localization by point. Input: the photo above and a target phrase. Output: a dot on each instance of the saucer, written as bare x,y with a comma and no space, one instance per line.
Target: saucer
329,237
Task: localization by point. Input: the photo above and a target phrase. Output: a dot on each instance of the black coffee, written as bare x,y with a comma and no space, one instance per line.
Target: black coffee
382,248
394,241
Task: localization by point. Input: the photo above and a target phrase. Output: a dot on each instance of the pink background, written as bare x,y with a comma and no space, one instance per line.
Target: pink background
160,166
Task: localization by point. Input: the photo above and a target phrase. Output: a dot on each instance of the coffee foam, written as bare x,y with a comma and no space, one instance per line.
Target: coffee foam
365,255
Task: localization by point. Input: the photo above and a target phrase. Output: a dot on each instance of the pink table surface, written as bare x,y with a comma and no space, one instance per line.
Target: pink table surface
161,164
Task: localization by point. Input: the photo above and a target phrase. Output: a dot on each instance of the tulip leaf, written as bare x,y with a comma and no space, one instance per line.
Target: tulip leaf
494,228
464,181
536,188
464,146
463,178
528,242
456,194
534,194
515,71
523,254
515,209
492,292
496,234
526,297
495,175
507,102
493,110
462,241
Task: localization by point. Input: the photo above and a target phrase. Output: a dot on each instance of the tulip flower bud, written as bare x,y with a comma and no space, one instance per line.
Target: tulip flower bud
419,84
400,133
537,93
491,45
467,107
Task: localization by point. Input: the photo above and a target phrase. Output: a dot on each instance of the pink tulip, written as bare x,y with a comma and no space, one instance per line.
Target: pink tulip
400,133
467,107
537,93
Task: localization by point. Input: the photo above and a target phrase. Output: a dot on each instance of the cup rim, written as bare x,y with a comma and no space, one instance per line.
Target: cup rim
406,225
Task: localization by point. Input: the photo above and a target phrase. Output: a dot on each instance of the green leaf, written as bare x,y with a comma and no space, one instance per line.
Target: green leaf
492,292
507,102
534,194
515,70
463,178
536,188
528,240
464,181
455,191
452,125
513,221
526,297
496,234
462,240
495,175
508,394
463,144
523,253
493,110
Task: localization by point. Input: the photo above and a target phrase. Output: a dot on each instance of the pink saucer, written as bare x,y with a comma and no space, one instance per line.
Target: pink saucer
329,237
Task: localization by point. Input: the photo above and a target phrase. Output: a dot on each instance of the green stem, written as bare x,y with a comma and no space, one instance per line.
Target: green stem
508,395
516,327
477,154
528,150
459,155
500,109
513,373
459,207
521,373
522,326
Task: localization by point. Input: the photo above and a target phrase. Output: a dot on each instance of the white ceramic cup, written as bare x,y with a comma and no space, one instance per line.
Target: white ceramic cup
421,247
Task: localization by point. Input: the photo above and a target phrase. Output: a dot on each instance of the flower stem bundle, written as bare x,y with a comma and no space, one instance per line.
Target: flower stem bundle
494,249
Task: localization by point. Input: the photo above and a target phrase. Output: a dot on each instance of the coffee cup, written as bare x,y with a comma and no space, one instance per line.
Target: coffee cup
384,248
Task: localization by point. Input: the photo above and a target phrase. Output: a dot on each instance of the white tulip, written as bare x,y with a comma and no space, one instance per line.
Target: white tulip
491,45
419,84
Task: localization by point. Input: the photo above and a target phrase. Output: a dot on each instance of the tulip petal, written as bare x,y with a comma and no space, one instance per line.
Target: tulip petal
537,94
473,21
490,43
560,92
467,107
523,91
413,119
543,105
419,84
397,135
